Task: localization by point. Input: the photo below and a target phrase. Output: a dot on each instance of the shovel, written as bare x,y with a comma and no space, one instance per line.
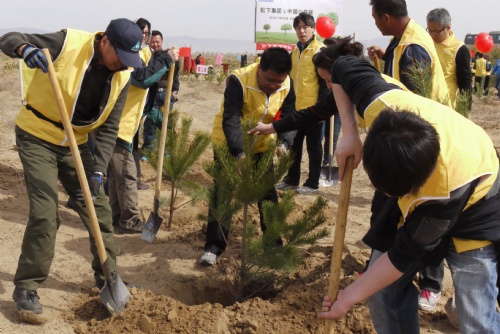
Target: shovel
338,238
154,221
331,173
114,294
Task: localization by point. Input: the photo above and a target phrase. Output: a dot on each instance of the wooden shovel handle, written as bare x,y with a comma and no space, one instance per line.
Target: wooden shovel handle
376,63
75,152
338,239
163,135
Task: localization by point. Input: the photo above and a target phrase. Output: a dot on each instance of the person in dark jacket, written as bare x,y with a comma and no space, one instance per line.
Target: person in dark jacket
257,91
94,75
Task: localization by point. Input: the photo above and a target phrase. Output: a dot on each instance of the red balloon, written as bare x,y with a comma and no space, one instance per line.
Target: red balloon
484,42
325,26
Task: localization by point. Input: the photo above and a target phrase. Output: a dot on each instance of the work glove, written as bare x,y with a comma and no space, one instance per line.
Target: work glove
95,183
34,58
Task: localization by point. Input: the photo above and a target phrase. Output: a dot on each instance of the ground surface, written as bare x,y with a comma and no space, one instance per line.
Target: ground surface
179,296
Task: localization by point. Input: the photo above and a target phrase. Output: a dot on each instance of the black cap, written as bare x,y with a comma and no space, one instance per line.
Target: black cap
126,37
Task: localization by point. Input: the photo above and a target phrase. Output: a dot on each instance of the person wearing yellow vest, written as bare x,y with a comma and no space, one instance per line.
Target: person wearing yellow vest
442,172
257,92
309,88
410,44
453,54
122,186
480,72
93,70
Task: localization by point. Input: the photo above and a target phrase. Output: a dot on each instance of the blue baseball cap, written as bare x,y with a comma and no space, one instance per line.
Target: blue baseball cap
126,37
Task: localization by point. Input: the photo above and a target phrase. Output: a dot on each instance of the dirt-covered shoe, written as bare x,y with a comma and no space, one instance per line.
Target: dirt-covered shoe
208,259
27,300
134,226
285,186
304,190
428,300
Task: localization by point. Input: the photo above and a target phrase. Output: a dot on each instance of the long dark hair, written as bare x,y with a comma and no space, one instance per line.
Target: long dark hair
338,47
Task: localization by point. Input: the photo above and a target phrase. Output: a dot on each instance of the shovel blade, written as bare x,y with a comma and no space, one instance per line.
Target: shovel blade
151,227
331,176
114,295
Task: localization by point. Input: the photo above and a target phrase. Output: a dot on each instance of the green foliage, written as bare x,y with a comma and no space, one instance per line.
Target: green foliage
196,76
11,66
210,77
332,15
246,181
266,27
183,150
221,77
464,103
285,27
420,75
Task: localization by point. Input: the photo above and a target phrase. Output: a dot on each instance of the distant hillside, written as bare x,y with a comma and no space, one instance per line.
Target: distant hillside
201,45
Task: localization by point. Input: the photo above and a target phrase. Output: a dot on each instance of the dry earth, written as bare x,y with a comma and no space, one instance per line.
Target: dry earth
179,296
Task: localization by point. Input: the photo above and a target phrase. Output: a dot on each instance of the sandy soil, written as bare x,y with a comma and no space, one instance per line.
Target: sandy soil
179,296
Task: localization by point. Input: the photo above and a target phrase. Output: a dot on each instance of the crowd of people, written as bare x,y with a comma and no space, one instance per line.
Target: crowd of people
435,173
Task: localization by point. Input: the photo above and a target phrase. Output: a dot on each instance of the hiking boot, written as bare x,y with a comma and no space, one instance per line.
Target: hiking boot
27,300
304,190
284,186
134,226
142,186
208,259
428,300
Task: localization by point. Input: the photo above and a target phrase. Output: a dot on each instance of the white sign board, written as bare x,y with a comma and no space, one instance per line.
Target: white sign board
274,19
202,69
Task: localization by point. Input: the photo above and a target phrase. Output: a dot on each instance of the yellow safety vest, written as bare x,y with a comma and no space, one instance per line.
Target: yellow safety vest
480,67
134,105
257,105
447,53
70,67
415,34
304,76
455,167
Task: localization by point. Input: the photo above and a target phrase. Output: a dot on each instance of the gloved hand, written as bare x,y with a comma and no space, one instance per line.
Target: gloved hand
95,183
34,58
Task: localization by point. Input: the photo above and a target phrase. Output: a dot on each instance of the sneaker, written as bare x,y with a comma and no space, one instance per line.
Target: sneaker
27,300
142,186
306,190
284,186
208,259
134,226
428,300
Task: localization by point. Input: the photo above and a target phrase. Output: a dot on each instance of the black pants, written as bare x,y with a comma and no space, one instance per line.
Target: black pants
217,233
313,141
431,278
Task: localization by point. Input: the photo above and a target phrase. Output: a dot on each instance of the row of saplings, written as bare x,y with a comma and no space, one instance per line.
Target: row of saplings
240,184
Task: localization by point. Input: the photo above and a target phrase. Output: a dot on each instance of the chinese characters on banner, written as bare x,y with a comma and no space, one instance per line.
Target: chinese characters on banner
202,69
274,20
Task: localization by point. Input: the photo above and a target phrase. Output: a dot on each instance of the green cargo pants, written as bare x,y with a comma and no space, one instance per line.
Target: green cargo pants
43,164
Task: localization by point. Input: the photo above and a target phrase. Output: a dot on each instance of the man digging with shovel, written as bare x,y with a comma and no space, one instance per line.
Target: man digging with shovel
92,71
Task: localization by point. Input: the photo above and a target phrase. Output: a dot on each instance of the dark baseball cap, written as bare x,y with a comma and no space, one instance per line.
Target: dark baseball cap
126,37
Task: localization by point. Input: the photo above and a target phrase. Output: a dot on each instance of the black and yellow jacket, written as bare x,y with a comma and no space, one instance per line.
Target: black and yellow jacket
243,98
94,96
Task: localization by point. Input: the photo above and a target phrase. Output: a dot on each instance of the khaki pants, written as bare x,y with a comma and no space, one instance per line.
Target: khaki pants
43,165
122,187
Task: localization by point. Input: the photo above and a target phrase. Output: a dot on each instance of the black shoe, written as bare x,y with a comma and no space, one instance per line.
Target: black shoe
134,226
70,204
27,300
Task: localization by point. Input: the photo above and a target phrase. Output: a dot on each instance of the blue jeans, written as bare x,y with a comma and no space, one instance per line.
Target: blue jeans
395,308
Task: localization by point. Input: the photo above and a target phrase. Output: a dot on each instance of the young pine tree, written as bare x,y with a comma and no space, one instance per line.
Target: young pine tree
243,182
183,149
